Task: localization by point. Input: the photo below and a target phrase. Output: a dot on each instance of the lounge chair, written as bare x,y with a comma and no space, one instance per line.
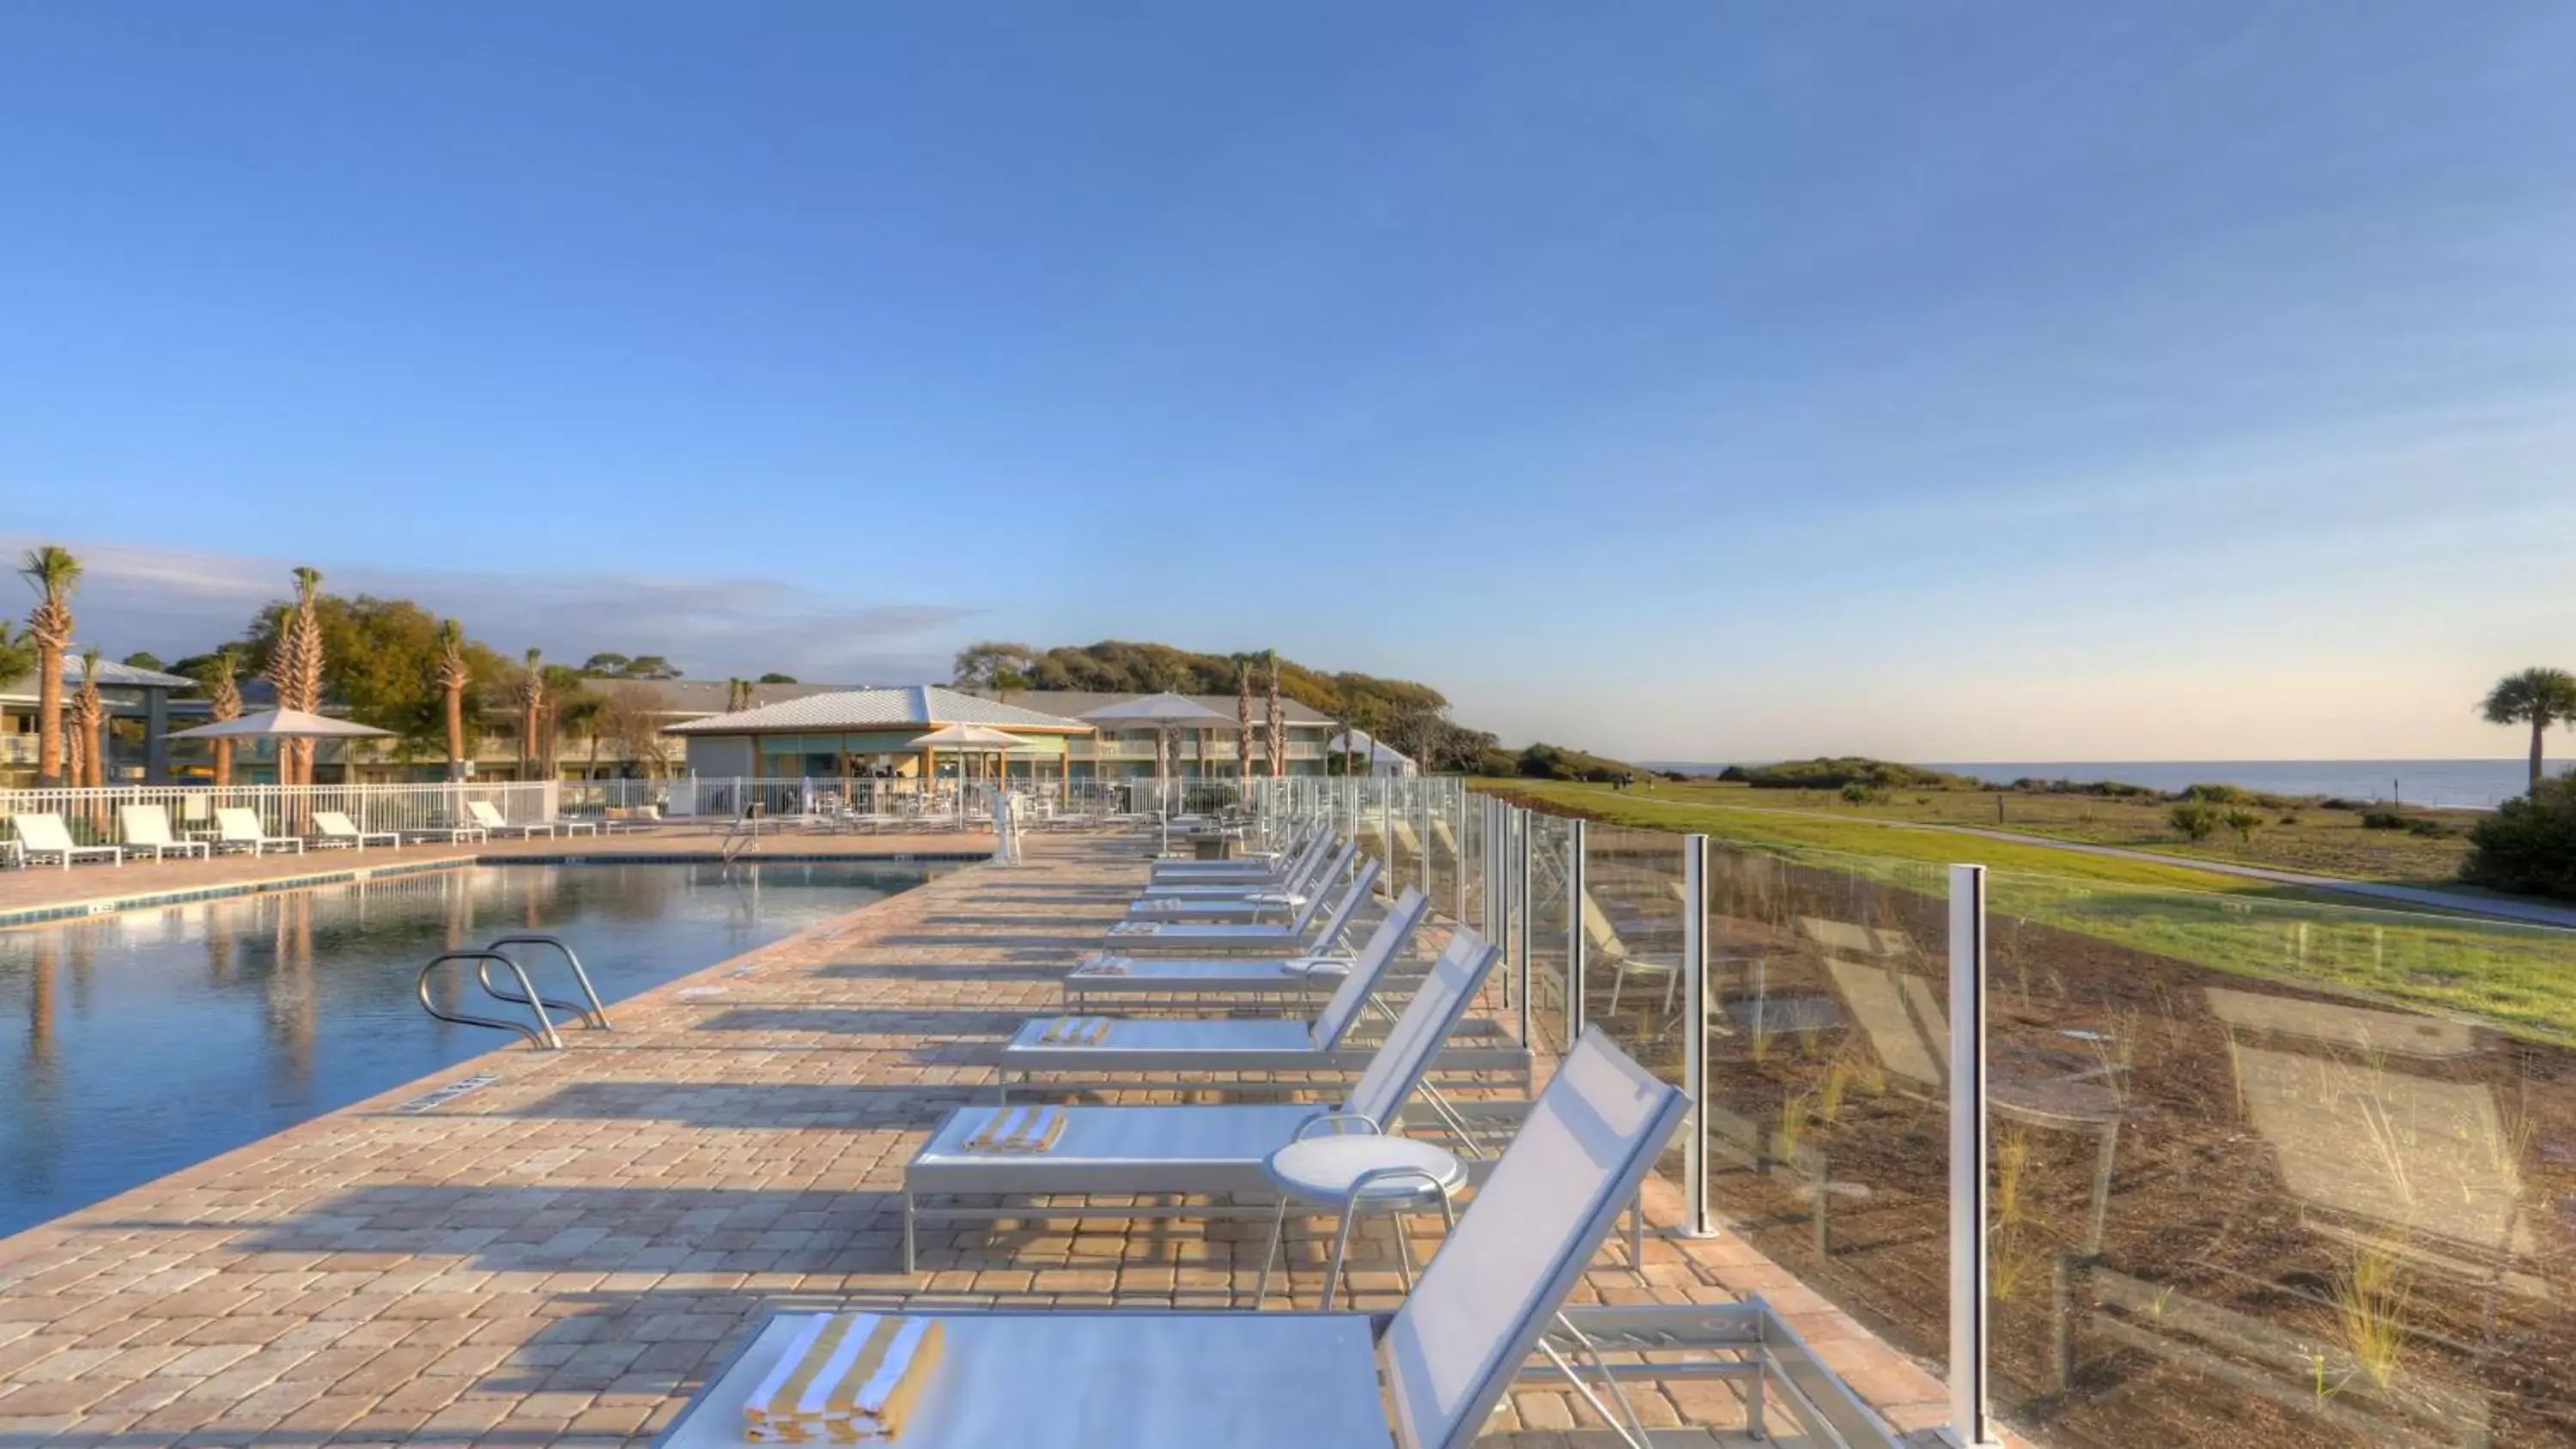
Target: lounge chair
1200,903
1300,872
1427,1376
1107,974
334,828
147,828
237,828
1089,1045
1194,1150
1289,936
489,817
42,835
1261,868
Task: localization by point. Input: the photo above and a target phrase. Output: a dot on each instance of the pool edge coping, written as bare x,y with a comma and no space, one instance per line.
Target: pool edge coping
182,895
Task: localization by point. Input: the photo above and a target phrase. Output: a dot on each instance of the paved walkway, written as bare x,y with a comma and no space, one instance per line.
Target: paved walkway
560,1255
95,885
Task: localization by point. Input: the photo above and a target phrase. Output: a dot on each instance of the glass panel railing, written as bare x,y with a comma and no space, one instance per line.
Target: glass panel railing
1551,848
2238,1200
1828,1078
1632,914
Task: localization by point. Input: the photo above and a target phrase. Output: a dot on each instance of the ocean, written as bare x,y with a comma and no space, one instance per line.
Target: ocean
2453,784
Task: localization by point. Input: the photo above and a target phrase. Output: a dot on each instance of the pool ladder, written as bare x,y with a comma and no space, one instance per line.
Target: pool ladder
542,1035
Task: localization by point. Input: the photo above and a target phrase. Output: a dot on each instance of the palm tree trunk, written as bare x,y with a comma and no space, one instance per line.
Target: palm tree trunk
223,763
455,733
49,714
2539,770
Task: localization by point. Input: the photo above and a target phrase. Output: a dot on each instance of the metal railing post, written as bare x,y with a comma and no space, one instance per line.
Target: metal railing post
1968,1275
1576,893
1696,1219
1521,904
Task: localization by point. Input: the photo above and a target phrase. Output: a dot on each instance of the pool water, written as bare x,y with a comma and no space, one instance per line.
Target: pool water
153,1039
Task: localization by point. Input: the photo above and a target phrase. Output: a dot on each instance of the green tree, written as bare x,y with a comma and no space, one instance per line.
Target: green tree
2195,820
985,664
382,666
53,573
144,659
649,666
2528,845
2538,698
17,654
219,674
452,673
607,666
775,678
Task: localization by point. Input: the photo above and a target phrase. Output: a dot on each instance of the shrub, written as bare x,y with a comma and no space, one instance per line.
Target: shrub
1856,793
2244,823
2195,820
1733,775
2216,794
1833,774
2528,846
2382,820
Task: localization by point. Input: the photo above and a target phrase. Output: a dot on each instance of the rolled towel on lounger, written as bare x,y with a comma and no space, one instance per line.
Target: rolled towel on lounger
1135,928
846,1378
1018,1129
1076,1031
1105,966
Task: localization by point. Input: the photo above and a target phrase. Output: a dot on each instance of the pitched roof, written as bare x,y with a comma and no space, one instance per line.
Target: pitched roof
1084,701
111,675
920,706
709,696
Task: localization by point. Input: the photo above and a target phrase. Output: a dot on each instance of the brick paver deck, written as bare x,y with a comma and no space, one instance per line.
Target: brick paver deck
560,1257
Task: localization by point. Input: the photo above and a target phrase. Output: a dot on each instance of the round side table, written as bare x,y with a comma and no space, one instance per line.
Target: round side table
1353,1173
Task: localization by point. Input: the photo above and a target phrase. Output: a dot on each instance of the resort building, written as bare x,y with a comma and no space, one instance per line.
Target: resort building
869,732
136,740
1382,759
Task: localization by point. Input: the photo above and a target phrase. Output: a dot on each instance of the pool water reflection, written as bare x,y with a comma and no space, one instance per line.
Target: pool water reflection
153,1039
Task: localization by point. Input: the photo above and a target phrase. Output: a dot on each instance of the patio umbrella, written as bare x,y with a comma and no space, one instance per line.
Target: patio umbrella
1161,711
961,737
283,724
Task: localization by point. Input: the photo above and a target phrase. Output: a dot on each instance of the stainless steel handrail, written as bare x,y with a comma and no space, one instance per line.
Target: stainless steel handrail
595,1014
541,1035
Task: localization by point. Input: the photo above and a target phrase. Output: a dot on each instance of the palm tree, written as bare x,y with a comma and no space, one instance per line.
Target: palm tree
223,702
89,714
2536,697
1278,741
1242,717
453,676
53,573
532,704
295,671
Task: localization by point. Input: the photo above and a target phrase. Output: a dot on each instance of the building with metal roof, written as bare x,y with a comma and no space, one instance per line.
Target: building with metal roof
137,736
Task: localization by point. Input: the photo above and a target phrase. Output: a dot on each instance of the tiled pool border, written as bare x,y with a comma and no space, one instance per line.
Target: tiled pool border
146,900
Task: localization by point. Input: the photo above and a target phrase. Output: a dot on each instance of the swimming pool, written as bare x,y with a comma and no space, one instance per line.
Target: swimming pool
156,1038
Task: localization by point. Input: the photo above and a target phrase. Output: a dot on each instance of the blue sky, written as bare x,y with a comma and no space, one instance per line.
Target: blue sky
1691,381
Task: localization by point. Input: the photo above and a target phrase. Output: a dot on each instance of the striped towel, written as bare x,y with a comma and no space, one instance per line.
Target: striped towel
1104,966
1075,1031
1318,965
846,1378
1017,1129
1134,928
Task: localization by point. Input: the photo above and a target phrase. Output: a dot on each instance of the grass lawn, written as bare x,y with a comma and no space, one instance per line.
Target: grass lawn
2300,838
2519,978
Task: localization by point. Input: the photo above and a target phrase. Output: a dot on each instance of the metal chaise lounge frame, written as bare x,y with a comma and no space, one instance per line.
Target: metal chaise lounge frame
1198,1150
1489,1312
1129,934
1288,874
1301,875
1241,977
1235,1044
1260,865
1228,904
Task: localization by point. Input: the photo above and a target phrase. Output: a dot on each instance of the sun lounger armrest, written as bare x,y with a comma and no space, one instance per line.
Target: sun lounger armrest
1368,1125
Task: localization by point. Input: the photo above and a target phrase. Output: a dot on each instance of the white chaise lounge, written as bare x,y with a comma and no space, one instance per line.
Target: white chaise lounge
1215,1149
237,828
334,829
1427,1376
147,830
46,835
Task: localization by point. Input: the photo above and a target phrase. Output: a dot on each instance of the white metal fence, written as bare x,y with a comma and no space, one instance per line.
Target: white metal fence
95,817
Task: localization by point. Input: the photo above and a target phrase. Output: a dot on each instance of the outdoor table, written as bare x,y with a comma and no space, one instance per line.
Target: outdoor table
1355,1173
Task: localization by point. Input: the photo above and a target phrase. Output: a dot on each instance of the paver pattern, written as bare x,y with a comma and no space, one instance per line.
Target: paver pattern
559,1257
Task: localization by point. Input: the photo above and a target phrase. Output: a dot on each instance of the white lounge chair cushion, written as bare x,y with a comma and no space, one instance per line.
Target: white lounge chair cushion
1146,1148
1137,1380
1180,1038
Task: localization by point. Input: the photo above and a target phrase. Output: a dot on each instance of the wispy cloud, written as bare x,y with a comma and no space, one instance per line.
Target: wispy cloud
178,601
